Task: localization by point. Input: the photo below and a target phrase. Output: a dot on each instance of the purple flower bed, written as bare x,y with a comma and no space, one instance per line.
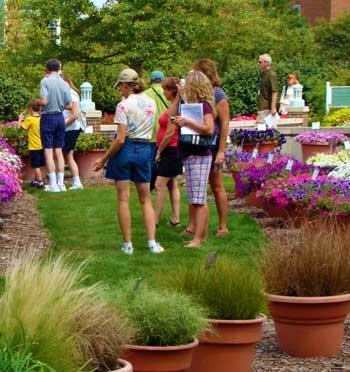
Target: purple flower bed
326,137
321,196
240,136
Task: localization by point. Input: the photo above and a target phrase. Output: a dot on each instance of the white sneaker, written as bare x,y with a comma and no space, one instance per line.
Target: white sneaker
50,188
127,249
62,187
156,248
78,186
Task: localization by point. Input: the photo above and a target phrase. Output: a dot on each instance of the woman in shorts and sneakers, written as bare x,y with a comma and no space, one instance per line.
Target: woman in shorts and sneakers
197,159
129,156
73,130
221,126
169,163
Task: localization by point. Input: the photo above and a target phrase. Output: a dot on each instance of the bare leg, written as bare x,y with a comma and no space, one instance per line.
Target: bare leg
160,186
60,160
217,186
37,174
200,213
72,164
50,164
191,221
175,198
123,193
144,193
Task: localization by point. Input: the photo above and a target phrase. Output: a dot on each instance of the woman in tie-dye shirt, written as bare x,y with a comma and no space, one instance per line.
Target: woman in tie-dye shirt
129,157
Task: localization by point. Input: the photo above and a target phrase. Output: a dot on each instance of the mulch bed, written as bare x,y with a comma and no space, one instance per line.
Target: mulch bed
23,232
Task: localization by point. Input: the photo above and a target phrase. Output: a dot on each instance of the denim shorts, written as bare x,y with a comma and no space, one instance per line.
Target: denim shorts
132,162
37,158
52,130
70,140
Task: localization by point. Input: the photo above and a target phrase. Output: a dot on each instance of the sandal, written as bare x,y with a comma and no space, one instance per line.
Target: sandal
222,232
174,224
187,231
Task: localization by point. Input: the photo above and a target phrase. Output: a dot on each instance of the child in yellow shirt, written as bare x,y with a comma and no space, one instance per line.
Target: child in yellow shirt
31,124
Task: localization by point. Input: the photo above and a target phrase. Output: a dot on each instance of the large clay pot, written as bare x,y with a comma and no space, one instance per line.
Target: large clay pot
161,358
294,216
263,147
309,326
27,170
311,149
253,201
230,348
85,160
125,366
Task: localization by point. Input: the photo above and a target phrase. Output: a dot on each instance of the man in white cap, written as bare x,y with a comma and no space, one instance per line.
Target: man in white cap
156,93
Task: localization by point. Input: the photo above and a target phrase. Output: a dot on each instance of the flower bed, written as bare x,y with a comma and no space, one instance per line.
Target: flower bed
10,173
244,136
324,137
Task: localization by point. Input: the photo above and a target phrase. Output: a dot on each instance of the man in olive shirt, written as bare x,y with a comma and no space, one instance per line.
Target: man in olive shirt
268,90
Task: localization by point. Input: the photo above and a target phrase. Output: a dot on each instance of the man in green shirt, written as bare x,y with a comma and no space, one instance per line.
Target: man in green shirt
268,90
156,92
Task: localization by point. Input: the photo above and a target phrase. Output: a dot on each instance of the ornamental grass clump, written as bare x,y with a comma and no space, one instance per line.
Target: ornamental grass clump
164,318
231,290
46,311
313,263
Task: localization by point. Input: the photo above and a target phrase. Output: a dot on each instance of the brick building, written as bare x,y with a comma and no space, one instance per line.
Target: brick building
327,9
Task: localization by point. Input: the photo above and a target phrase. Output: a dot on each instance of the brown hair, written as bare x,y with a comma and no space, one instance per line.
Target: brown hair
208,67
34,105
171,84
70,82
137,86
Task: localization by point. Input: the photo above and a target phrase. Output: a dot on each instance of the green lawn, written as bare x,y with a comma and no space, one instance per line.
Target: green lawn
84,223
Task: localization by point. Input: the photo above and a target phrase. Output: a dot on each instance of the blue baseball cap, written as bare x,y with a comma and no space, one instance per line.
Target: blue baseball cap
157,75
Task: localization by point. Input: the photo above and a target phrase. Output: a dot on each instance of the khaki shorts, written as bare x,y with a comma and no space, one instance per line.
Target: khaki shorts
260,119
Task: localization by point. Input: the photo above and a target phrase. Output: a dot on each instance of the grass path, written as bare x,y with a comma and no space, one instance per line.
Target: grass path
84,223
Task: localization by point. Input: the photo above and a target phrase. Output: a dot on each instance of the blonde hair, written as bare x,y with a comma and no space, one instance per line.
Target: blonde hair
70,82
198,88
208,67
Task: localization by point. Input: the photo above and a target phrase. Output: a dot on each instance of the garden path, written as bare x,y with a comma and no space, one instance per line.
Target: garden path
23,231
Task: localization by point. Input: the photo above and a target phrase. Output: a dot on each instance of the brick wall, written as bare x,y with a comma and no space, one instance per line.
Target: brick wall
338,7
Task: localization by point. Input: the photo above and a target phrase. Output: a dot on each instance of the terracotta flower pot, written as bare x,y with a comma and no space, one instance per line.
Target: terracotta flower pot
253,201
125,366
160,358
28,172
230,348
309,326
263,147
311,149
85,160
294,216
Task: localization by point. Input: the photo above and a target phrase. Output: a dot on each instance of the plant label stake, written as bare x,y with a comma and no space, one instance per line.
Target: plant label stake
315,173
270,158
346,145
210,260
136,286
262,127
289,165
315,125
255,153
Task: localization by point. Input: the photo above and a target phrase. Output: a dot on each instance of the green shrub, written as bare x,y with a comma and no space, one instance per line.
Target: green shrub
13,98
44,308
230,290
94,141
337,118
164,318
17,138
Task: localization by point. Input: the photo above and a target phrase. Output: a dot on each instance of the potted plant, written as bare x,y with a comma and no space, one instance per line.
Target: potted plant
307,284
48,316
314,142
166,324
89,148
262,140
233,294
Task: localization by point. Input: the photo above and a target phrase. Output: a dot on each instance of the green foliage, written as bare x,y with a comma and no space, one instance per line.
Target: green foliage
164,318
93,141
12,360
17,138
46,313
337,118
229,289
13,98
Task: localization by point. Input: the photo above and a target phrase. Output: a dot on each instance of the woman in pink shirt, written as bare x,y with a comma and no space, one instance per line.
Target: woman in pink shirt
169,163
